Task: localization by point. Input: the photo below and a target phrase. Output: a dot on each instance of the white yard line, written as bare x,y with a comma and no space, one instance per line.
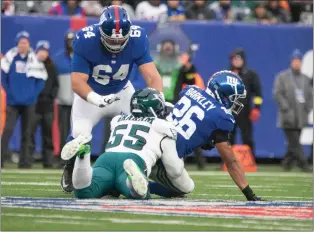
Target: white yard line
30,183
86,221
17,177
193,173
240,195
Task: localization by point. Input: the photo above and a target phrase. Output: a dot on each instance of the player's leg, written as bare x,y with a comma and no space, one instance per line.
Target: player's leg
131,176
167,186
88,182
83,118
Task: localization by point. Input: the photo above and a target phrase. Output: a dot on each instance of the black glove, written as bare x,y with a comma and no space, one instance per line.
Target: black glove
250,195
208,146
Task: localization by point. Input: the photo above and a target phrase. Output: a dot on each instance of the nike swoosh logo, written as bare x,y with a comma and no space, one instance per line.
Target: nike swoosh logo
125,87
233,121
64,184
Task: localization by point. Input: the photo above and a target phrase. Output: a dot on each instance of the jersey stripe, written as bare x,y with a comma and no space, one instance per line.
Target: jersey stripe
116,14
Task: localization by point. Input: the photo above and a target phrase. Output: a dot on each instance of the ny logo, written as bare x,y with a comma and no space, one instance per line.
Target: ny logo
232,80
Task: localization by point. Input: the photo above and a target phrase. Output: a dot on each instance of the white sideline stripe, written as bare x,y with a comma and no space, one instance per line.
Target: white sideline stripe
136,221
30,177
35,189
255,186
193,173
30,183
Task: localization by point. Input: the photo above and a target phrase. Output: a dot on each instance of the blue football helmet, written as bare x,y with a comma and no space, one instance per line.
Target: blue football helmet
227,87
114,27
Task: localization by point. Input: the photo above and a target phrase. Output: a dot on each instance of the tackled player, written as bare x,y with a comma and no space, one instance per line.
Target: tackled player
203,118
103,56
136,142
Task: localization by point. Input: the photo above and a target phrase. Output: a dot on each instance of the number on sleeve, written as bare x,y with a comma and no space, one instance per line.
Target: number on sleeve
88,31
135,32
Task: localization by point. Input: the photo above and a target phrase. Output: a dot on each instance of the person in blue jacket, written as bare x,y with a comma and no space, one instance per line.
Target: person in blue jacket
23,78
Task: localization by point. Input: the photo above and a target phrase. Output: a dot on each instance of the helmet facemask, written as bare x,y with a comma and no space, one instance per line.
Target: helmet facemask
237,106
116,42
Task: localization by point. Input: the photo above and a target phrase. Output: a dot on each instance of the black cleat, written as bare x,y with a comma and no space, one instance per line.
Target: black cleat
66,179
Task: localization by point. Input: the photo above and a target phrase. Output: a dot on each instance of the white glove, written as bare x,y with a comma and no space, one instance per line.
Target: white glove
101,101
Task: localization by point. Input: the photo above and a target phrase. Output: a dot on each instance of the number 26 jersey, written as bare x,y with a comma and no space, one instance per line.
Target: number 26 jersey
196,116
108,72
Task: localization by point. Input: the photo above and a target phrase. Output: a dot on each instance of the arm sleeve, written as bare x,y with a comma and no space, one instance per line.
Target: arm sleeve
145,57
173,164
279,94
80,64
257,90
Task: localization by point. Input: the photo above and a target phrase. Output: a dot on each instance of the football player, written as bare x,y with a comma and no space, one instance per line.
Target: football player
103,55
203,118
136,142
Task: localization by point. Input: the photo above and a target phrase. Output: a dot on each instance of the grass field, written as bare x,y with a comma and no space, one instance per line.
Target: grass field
216,204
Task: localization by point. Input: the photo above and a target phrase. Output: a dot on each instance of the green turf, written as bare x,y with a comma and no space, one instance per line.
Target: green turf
217,186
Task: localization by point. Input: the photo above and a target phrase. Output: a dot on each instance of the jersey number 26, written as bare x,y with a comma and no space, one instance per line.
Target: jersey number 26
186,126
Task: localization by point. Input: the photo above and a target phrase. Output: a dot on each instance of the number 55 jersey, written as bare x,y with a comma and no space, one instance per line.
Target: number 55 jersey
108,72
199,119
148,137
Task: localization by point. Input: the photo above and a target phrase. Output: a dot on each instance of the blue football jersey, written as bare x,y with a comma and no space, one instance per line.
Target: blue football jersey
196,116
108,72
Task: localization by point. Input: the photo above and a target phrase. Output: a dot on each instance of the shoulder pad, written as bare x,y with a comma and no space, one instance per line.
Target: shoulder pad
165,128
114,121
82,37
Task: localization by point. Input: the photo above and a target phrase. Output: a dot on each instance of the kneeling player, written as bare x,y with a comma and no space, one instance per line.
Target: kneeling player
137,141
204,118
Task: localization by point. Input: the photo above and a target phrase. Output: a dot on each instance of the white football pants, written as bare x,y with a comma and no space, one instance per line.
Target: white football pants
85,116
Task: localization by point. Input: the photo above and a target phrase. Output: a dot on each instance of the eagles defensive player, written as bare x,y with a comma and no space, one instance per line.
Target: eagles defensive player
103,55
204,118
137,141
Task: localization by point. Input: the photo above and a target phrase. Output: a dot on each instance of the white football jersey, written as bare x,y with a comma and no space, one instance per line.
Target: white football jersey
142,136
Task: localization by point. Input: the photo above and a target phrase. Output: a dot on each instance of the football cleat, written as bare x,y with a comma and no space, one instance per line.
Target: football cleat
138,183
74,147
66,179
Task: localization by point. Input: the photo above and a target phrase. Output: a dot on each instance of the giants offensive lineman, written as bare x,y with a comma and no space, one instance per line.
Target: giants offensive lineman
103,56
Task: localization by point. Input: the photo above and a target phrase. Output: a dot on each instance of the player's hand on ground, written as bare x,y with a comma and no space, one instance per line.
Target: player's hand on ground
107,100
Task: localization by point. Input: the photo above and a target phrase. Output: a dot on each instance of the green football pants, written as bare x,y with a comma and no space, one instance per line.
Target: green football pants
108,174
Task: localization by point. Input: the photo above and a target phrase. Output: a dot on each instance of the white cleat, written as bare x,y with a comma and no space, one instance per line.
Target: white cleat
71,148
138,180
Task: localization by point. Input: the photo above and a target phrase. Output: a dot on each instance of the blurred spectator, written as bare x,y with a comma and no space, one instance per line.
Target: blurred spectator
175,10
199,9
44,107
302,11
126,6
150,10
23,78
168,66
294,97
65,94
260,15
222,11
3,109
92,8
280,14
248,114
242,9
67,7
8,7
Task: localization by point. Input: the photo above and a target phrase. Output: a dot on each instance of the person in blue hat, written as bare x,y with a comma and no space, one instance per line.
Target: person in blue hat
44,115
294,97
23,78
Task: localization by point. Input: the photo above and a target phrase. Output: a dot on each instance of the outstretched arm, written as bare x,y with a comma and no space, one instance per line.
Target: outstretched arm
151,76
235,170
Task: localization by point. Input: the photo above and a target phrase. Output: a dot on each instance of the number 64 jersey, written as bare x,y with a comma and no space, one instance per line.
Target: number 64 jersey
198,118
108,72
148,137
